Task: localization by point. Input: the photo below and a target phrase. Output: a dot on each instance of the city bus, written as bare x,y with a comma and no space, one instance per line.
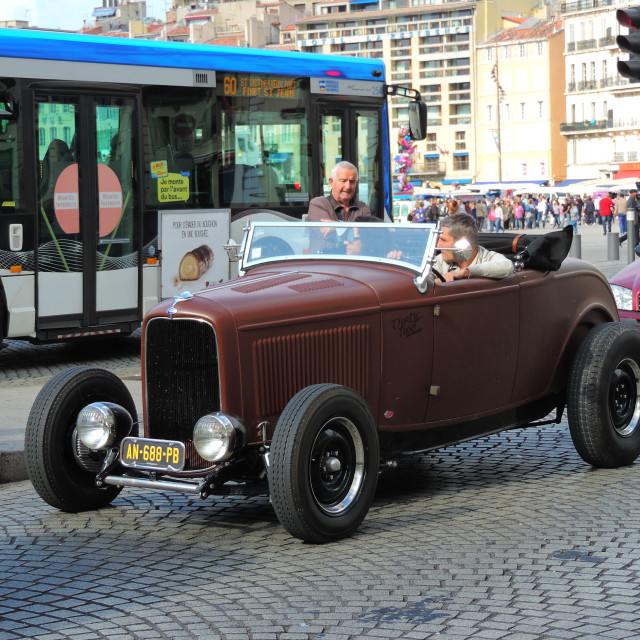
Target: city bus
126,166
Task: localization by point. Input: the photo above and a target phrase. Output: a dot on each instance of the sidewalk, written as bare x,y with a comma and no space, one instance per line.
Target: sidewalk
17,397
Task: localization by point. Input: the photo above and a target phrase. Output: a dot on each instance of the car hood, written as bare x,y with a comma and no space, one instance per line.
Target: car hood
268,295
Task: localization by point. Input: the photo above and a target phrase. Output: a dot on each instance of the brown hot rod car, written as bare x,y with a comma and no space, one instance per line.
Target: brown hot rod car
303,375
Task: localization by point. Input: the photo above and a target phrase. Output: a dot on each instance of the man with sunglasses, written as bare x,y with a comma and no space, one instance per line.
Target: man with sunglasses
480,263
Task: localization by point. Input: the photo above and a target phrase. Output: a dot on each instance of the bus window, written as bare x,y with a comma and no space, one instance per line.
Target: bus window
367,154
264,141
115,131
331,127
9,169
179,147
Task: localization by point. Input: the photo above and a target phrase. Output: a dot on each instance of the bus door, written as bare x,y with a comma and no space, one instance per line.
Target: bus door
88,258
353,134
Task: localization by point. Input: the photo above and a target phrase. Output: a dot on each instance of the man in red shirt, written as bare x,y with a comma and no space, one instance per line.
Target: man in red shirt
606,212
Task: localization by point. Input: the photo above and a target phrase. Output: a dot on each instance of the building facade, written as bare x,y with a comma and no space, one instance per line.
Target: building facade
602,117
428,46
520,104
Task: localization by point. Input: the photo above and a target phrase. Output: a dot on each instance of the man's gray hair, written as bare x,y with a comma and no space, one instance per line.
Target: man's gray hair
343,165
462,225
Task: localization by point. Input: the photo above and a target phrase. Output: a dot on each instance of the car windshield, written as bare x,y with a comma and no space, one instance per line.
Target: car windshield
410,246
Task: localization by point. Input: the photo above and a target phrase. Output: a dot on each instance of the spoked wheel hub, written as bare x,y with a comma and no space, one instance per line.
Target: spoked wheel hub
624,397
337,465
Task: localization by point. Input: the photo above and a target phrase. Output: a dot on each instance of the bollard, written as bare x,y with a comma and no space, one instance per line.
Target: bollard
576,247
613,246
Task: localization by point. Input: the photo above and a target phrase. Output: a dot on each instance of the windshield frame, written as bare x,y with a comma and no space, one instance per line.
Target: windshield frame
255,230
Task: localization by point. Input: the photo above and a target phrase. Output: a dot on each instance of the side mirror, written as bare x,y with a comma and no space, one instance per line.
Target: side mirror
232,248
637,250
462,250
417,120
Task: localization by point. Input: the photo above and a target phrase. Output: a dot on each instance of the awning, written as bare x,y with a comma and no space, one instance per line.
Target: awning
456,181
627,175
566,183
465,153
431,155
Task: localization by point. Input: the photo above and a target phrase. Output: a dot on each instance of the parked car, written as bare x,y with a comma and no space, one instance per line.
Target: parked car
305,374
626,291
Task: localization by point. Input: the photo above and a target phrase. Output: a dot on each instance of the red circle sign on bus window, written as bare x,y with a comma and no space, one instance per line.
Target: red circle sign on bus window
109,200
183,125
66,201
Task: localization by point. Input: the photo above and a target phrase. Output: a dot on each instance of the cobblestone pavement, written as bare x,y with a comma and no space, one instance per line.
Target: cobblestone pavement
511,536
23,362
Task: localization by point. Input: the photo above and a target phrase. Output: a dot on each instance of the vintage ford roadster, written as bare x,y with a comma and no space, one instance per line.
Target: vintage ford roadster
333,353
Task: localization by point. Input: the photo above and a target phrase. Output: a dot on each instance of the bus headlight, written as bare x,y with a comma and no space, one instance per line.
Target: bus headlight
99,424
217,435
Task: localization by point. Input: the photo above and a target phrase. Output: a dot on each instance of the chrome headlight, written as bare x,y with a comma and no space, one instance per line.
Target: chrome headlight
217,435
99,424
623,297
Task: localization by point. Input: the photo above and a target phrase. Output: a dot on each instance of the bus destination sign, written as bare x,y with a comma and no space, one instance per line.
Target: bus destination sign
251,85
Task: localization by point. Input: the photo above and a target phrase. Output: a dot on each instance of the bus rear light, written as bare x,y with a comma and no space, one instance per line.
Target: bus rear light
16,268
334,73
152,260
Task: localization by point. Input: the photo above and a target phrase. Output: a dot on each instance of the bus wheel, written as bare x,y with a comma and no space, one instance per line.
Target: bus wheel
62,470
604,396
323,463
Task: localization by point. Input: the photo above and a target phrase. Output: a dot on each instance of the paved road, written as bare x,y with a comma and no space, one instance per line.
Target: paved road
511,536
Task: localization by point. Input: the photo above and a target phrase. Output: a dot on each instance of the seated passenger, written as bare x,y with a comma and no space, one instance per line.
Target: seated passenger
481,263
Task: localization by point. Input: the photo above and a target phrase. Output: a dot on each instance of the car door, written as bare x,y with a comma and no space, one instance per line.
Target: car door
475,346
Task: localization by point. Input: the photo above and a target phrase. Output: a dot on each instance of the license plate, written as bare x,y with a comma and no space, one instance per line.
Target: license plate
157,455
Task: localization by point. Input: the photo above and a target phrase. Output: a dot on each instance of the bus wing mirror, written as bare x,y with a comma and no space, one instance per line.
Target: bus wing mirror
417,120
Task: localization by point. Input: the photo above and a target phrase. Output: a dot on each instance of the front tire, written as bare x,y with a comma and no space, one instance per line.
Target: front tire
61,469
324,463
604,396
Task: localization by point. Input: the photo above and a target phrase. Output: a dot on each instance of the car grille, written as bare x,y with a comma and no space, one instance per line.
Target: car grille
182,380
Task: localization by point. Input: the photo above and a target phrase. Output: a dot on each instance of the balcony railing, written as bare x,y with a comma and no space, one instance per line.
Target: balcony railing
571,46
583,45
587,125
606,41
587,85
613,81
429,168
583,5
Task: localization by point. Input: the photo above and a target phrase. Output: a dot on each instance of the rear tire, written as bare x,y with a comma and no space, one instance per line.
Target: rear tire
604,396
61,473
324,463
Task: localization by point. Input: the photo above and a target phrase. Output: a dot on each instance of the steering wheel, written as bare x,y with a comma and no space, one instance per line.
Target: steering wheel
437,274
272,247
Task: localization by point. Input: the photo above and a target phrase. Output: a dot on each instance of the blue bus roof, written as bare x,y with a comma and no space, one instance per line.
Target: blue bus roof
73,47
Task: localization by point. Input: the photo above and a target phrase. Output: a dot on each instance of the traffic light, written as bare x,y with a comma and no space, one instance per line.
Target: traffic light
629,43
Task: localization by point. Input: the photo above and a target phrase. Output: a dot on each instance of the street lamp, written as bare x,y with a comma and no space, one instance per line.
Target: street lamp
499,95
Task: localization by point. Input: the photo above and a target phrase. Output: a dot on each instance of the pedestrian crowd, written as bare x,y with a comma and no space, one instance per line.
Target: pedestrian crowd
532,211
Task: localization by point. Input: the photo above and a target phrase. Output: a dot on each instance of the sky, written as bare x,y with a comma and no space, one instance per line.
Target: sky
62,14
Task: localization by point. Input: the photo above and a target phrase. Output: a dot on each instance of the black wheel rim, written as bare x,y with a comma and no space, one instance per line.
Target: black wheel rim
336,469
624,397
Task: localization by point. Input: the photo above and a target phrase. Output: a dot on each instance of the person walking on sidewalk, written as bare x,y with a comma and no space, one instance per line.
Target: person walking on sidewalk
620,210
606,213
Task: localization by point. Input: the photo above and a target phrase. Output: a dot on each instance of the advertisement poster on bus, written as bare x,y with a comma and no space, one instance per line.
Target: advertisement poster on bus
192,253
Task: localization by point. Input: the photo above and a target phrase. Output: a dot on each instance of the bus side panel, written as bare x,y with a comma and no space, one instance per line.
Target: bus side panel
20,293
